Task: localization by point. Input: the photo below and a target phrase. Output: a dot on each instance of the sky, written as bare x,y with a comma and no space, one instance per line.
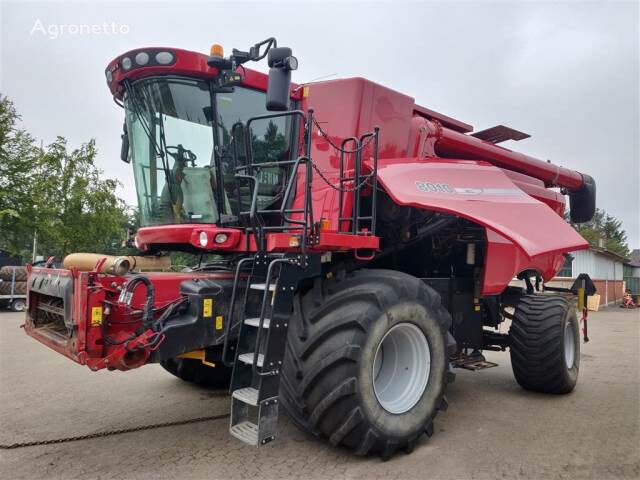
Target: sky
567,73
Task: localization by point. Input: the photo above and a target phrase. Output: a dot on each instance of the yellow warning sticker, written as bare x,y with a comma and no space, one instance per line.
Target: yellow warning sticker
207,307
219,322
305,92
96,316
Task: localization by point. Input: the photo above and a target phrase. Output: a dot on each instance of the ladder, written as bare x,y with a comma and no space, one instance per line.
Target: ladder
260,348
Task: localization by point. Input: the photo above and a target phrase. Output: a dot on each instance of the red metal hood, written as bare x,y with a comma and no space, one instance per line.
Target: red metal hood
483,194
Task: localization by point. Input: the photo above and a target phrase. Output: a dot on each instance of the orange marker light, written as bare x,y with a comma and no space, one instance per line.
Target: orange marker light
325,224
294,242
217,50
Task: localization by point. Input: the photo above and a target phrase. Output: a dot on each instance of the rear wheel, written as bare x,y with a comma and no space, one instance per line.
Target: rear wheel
366,363
194,371
545,344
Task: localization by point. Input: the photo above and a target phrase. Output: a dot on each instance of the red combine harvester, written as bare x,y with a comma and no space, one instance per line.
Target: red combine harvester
358,246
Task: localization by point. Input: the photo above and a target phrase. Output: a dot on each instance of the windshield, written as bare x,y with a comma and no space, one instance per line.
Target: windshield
177,149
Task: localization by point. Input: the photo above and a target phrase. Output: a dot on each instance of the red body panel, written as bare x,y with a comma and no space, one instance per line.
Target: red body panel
484,194
87,346
504,259
517,225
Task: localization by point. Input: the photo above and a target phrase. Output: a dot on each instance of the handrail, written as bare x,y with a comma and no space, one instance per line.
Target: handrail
343,179
228,326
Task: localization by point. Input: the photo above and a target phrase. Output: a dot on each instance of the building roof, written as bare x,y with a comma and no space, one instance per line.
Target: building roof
634,258
609,253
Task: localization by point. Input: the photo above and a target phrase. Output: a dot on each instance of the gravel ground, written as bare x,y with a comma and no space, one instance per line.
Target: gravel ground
493,429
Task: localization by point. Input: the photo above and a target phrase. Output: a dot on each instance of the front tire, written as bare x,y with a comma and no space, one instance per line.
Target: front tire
545,344
366,364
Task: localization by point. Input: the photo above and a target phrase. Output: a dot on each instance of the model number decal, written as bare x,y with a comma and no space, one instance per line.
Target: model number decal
434,187
429,187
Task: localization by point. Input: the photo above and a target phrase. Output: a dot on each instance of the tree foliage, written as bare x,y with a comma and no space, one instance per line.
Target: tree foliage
57,193
606,228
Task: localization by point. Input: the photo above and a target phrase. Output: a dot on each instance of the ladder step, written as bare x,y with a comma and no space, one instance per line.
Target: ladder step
248,358
262,286
255,322
247,395
245,431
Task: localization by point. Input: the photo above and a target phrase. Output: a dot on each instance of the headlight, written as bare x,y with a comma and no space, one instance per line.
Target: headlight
142,58
204,239
164,58
126,63
221,238
109,76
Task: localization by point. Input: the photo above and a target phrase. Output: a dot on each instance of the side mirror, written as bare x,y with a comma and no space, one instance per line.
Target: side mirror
124,148
281,63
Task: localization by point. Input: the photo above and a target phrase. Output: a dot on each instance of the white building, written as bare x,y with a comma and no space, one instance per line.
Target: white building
605,268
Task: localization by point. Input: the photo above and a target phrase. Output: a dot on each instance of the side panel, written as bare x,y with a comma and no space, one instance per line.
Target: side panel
483,194
504,260
522,233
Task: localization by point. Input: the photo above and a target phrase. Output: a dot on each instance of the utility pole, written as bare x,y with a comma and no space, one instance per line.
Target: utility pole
35,245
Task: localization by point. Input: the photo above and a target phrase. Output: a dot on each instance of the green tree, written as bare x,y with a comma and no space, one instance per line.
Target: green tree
56,193
607,228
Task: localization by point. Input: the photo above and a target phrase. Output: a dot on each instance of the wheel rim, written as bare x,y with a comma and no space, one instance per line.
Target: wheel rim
401,368
569,345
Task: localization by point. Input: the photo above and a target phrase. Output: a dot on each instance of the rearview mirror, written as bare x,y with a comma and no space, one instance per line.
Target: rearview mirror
281,63
124,148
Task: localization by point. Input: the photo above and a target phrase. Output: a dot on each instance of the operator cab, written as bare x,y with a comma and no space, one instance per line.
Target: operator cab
186,133
186,141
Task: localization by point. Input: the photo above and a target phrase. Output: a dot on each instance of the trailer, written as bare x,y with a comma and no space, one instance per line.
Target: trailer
13,293
355,248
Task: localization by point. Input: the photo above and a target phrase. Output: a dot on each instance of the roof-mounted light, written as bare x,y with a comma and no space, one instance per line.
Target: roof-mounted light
164,58
126,63
142,58
216,50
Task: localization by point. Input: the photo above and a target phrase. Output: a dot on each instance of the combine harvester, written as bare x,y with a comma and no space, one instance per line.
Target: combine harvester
365,247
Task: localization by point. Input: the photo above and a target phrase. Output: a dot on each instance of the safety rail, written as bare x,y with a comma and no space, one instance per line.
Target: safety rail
350,180
250,170
358,181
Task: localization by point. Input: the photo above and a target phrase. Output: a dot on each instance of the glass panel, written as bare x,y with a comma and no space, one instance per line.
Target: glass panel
270,142
172,150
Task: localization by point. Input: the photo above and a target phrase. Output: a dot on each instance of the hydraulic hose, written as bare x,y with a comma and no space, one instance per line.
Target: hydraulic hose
127,296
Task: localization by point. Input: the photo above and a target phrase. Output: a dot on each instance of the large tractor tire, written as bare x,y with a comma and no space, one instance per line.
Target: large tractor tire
366,364
19,288
545,344
194,371
6,273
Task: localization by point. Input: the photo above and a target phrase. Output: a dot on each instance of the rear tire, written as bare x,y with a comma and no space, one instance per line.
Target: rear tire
194,371
6,273
545,344
333,382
